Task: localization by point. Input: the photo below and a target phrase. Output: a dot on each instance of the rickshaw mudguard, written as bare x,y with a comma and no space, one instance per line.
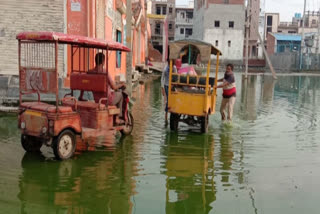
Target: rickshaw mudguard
69,121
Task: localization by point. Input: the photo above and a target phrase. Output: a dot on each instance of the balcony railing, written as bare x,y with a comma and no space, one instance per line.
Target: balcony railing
184,21
288,24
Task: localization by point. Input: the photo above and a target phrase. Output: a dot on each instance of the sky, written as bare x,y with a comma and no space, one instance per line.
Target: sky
286,8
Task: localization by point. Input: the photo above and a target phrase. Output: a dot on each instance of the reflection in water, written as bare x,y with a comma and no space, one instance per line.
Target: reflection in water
226,156
98,182
8,128
268,84
190,173
266,161
248,98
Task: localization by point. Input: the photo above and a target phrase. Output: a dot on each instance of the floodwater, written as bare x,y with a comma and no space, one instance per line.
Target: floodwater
266,161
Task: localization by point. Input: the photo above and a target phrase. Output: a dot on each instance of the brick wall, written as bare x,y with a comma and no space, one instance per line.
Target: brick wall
271,42
27,15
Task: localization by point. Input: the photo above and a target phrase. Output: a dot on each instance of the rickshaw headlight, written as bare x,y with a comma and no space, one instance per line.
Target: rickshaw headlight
23,125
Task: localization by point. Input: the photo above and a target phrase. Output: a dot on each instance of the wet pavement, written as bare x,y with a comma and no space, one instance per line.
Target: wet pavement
265,161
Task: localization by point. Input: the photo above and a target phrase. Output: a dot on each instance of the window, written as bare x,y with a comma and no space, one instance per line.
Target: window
189,15
182,15
314,21
217,43
269,20
290,31
157,29
158,10
217,23
118,59
170,10
231,24
181,30
164,10
269,29
188,32
229,43
170,26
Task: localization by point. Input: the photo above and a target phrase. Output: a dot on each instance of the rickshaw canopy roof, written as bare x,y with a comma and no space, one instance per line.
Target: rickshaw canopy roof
206,49
73,40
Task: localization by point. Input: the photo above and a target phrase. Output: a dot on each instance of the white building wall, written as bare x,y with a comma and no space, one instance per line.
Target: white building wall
198,23
225,13
235,51
178,34
183,22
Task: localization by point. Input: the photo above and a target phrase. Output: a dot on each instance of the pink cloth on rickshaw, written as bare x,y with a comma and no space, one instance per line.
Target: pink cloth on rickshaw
187,70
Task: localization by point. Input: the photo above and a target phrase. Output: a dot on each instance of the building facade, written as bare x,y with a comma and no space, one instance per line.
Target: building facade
102,19
272,21
162,23
283,43
184,23
221,23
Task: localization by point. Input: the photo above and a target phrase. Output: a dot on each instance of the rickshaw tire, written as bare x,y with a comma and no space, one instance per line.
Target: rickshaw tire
58,140
30,143
174,121
130,127
204,124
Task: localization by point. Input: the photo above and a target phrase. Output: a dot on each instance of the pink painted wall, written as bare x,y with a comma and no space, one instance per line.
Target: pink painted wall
83,23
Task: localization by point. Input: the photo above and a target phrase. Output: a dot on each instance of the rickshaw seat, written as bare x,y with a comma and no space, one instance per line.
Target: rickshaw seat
83,105
87,105
45,107
95,82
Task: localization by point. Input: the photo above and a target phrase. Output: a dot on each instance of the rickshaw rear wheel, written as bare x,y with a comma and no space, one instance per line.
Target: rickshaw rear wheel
30,143
204,124
128,126
174,121
64,145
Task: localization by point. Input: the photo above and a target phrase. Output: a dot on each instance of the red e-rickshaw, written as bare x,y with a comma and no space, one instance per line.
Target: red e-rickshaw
70,123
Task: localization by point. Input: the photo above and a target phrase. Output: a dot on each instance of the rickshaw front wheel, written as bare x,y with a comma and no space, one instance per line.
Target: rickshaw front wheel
30,143
174,121
64,145
204,124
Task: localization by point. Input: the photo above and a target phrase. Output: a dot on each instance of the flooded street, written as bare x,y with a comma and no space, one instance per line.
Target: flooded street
266,161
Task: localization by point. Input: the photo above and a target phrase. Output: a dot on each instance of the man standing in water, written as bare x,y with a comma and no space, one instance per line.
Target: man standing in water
229,92
165,85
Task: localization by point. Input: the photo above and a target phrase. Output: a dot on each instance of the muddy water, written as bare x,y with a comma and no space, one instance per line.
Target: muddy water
266,161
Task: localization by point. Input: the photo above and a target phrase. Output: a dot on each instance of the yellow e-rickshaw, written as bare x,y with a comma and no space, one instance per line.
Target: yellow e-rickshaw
192,96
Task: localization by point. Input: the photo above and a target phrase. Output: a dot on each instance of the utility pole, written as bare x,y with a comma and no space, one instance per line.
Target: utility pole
302,36
146,32
128,42
247,38
317,48
267,58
